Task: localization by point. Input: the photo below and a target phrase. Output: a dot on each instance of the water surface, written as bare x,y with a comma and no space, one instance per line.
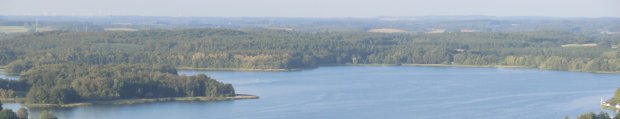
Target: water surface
6,76
358,92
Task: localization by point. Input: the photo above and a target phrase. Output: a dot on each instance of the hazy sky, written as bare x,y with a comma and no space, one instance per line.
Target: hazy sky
313,8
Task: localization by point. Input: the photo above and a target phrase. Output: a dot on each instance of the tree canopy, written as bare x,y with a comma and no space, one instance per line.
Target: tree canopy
67,83
275,49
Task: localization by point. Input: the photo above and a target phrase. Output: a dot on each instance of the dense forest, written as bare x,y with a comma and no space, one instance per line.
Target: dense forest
69,82
280,49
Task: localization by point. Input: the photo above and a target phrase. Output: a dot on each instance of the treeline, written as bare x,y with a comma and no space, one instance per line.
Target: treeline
275,49
12,88
71,82
592,115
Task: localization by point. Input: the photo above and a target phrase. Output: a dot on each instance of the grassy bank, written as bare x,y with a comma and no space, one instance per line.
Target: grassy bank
432,65
425,65
601,72
462,65
361,65
504,66
13,29
237,69
277,70
16,100
473,66
141,101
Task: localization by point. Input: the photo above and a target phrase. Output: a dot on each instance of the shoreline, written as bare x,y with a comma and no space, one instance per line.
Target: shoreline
139,101
507,66
463,65
412,65
15,100
239,69
301,69
438,65
360,65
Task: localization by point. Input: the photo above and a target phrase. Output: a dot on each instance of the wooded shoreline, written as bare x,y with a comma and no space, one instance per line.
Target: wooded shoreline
128,101
424,65
238,69
414,65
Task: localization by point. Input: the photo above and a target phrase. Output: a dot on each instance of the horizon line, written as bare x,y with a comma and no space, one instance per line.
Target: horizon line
315,17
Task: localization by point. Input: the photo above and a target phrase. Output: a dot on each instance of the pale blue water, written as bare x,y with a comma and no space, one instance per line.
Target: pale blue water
5,76
357,92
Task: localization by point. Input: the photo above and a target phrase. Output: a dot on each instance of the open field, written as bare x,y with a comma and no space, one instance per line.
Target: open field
120,29
281,28
580,45
45,29
386,30
13,29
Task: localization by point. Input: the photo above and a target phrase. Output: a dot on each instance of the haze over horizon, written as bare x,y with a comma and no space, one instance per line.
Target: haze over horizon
312,8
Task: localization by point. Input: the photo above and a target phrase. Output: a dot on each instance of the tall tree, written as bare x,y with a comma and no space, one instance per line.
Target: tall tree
22,113
47,115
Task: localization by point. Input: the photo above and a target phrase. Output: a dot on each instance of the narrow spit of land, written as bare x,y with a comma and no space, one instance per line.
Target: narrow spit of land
130,101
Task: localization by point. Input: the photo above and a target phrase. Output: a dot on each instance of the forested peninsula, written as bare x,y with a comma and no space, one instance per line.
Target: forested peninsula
54,84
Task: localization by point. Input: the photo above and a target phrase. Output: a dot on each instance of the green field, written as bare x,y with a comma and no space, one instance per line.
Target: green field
13,29
120,29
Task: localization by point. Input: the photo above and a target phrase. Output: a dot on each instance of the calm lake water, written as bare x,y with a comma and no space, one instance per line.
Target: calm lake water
5,76
358,92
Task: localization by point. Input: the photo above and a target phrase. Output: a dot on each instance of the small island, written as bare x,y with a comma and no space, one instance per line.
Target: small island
75,84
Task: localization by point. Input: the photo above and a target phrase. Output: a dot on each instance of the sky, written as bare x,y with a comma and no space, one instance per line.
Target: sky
312,8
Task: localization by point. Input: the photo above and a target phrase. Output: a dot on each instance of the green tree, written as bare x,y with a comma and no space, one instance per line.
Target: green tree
22,113
8,114
616,98
67,83
603,115
47,115
589,115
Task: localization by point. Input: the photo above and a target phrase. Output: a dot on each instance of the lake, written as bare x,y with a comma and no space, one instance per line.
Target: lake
5,76
394,92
